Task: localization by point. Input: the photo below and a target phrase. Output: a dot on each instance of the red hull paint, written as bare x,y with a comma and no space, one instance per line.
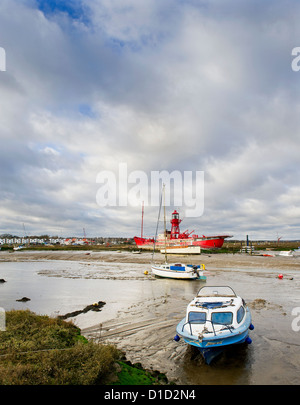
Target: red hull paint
205,243
143,241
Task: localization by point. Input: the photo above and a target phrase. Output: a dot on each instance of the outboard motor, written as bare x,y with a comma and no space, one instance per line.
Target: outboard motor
195,268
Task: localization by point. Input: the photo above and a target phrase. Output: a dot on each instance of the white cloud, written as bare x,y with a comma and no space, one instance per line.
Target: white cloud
161,86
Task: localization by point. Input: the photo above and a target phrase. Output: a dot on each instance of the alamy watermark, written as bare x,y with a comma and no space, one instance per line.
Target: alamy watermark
123,189
2,60
296,320
296,61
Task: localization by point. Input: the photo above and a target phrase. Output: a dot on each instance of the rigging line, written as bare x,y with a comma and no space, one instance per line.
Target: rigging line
157,226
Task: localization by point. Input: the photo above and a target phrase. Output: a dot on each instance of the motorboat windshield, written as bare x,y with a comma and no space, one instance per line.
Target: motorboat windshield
216,291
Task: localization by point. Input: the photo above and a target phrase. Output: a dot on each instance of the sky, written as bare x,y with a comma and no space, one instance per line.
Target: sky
122,89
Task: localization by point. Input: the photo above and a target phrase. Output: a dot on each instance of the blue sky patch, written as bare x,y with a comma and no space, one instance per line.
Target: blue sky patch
85,109
73,8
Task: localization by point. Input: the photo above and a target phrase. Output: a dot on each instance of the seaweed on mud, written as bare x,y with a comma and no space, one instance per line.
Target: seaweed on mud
97,306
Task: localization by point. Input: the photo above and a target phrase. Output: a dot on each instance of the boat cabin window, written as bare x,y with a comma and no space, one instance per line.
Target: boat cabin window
224,318
197,317
240,314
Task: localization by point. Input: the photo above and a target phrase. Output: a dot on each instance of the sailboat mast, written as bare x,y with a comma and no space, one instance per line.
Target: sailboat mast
165,225
160,204
142,219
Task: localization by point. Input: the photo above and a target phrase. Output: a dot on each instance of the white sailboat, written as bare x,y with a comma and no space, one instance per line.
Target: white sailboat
178,270
175,270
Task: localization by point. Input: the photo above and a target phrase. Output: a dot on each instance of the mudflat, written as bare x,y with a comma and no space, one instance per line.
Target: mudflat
145,327
217,260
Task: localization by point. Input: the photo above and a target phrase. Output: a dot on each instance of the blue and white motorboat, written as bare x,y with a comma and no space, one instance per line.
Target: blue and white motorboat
215,319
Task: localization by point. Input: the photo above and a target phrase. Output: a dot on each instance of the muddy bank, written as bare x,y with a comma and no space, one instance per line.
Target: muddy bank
211,261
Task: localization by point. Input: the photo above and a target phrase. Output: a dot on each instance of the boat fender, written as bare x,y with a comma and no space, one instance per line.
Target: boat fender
176,338
251,326
248,340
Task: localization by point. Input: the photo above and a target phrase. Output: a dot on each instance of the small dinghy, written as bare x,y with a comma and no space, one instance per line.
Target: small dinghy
215,319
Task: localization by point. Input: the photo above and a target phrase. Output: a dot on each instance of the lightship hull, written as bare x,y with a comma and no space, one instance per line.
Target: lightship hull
213,242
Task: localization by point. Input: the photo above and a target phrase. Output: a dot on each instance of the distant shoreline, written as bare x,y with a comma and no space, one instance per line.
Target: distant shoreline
230,246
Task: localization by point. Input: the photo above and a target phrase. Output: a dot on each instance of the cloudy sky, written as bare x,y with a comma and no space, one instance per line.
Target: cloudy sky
176,85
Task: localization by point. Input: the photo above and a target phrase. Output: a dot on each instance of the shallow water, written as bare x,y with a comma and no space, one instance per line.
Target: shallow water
59,287
56,287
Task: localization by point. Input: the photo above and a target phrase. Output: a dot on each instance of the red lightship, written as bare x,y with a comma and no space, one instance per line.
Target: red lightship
177,242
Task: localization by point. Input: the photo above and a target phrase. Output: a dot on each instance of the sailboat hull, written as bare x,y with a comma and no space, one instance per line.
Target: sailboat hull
177,272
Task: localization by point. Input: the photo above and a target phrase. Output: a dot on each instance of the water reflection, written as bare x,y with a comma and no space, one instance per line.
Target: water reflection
233,366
